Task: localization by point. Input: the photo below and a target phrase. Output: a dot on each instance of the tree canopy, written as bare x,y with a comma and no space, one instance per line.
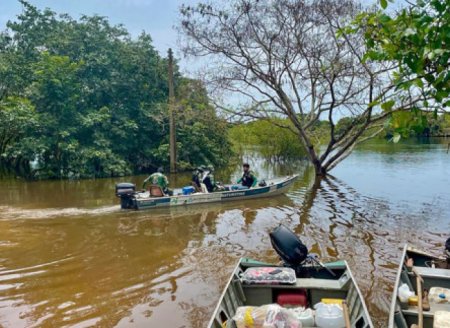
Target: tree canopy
82,98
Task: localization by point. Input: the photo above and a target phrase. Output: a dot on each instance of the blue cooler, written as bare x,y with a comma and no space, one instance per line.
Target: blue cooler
188,190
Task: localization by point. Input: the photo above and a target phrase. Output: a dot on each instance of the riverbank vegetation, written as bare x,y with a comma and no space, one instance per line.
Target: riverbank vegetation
273,142
82,98
416,124
275,139
323,61
276,143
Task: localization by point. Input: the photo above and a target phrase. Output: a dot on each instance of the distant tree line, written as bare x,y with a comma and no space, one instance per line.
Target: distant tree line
273,140
417,124
82,98
276,143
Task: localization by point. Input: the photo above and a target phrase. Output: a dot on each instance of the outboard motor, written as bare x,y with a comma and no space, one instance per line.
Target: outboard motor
288,246
447,252
125,191
293,252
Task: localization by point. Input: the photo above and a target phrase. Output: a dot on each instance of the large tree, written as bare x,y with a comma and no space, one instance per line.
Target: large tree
294,59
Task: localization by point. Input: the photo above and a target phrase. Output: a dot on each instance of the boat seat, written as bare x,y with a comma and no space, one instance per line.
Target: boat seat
434,307
156,191
308,283
432,272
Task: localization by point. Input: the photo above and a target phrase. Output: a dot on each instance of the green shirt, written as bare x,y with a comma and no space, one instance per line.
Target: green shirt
158,179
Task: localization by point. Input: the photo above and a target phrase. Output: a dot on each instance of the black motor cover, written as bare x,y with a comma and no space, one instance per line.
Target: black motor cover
288,246
447,250
125,189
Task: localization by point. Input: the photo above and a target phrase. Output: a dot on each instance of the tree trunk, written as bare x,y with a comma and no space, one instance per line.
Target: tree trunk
319,169
313,157
172,124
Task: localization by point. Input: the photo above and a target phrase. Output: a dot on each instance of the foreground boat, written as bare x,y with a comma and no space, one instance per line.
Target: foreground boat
319,285
434,275
130,199
266,295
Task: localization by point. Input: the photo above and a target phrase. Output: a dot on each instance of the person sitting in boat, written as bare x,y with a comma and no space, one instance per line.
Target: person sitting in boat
205,176
159,179
248,177
208,179
197,178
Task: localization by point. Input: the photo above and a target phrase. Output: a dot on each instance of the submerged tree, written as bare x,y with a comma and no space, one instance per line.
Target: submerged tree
294,59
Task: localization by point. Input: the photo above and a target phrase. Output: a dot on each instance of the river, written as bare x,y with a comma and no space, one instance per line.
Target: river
70,258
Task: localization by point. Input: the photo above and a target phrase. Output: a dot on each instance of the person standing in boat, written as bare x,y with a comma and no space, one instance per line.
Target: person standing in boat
159,179
248,179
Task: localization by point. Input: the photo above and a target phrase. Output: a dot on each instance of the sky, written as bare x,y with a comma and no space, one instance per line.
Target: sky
156,17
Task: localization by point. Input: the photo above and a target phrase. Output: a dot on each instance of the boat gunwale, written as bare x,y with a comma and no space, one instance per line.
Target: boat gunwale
222,295
393,306
363,302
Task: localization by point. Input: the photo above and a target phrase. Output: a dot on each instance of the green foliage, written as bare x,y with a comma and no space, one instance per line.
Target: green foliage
17,116
274,142
417,38
95,100
202,135
416,123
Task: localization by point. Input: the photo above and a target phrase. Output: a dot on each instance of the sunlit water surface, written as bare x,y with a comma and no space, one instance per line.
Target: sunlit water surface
70,258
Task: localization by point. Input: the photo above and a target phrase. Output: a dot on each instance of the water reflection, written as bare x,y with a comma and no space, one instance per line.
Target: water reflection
74,259
118,268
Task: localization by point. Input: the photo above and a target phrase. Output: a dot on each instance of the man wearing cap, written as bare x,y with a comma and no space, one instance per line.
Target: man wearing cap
158,178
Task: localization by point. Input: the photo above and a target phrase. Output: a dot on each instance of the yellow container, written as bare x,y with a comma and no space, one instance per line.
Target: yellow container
332,301
413,301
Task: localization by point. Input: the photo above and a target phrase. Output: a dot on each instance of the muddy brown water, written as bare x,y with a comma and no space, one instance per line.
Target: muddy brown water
70,258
